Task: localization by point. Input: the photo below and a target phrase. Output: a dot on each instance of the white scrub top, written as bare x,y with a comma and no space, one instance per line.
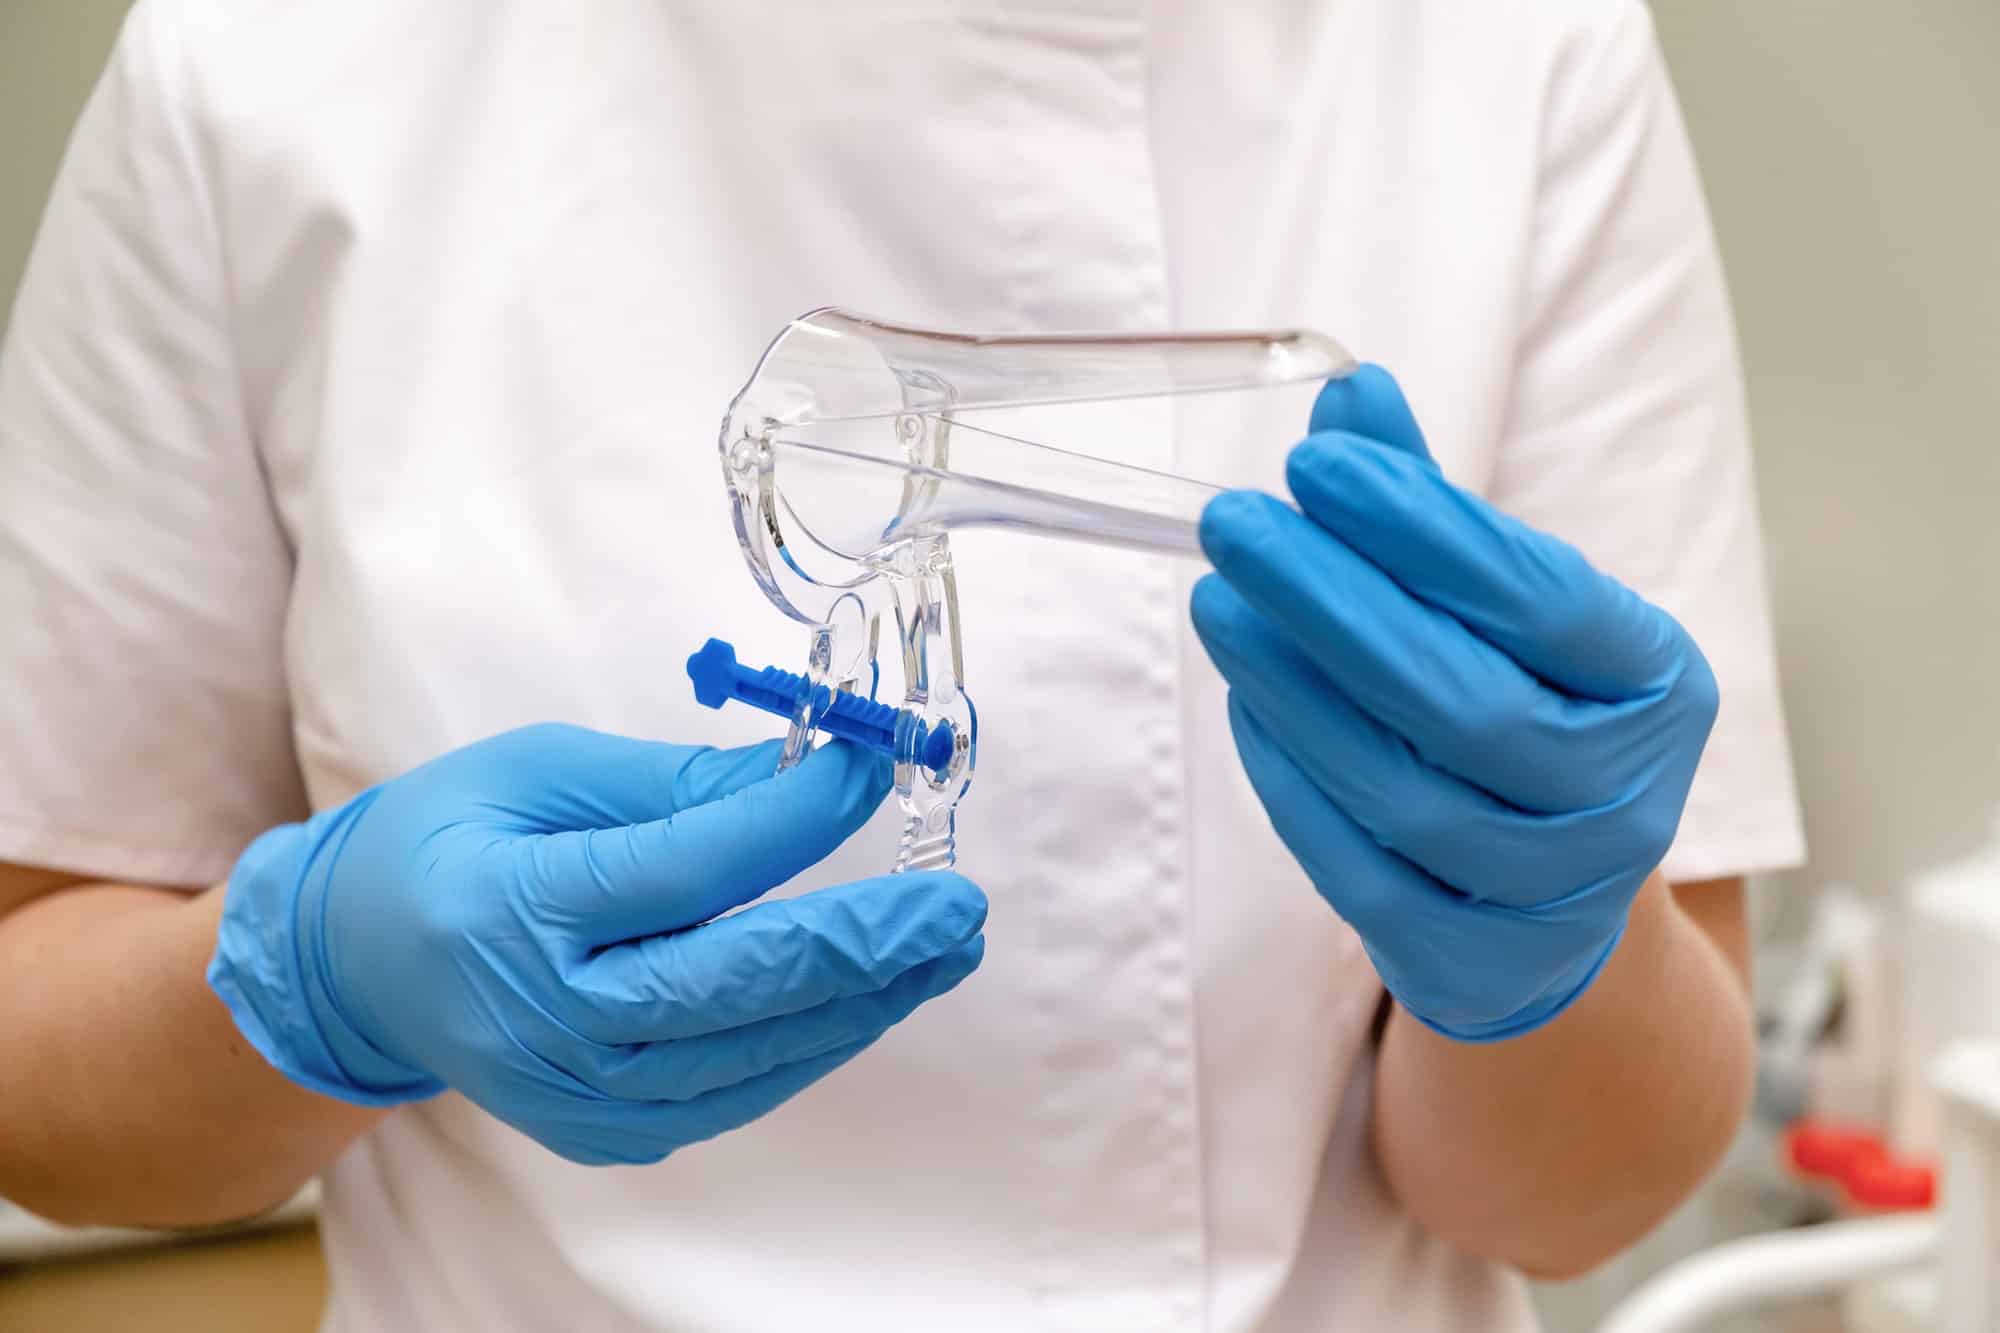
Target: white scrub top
361,401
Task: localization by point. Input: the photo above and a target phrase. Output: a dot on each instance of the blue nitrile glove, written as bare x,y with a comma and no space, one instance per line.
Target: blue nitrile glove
528,920
1475,744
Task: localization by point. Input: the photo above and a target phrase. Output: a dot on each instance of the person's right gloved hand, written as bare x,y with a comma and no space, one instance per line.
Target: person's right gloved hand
533,921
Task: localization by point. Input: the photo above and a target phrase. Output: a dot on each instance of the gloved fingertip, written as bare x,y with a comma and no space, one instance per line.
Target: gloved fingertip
1235,635
952,900
1258,745
965,901
703,774
1336,461
1314,454
1353,484
1244,728
861,775
1369,402
1213,605
971,954
882,773
758,753
875,771
952,968
1233,522
1226,512
1315,474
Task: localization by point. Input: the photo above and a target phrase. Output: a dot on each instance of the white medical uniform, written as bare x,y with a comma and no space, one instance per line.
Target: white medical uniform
360,401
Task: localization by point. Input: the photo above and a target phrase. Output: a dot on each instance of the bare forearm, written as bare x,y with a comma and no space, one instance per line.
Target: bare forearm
128,1095
1556,1150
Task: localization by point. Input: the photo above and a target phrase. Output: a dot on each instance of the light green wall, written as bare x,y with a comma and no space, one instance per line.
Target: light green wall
1852,158
50,55
1852,154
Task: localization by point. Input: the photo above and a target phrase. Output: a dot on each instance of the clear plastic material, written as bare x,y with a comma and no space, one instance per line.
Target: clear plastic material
857,447
861,506
855,437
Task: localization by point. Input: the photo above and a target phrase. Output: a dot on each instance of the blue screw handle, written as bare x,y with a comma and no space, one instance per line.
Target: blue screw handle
718,678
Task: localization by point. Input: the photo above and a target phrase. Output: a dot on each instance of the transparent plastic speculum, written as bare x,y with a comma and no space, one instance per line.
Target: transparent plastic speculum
857,448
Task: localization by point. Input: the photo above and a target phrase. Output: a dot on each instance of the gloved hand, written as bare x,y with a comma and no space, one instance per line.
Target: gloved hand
528,920
1475,744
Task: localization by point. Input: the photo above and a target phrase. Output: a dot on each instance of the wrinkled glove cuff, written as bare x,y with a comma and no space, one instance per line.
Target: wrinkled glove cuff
268,974
1543,1010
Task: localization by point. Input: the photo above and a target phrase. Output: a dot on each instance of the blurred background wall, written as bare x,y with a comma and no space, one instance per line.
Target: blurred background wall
1852,156
50,55
1852,159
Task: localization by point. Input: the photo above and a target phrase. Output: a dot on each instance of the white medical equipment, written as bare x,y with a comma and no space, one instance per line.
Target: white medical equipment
1905,1273
1927,1053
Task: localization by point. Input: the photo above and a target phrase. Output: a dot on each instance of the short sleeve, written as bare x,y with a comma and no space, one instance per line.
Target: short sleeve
1627,431
144,726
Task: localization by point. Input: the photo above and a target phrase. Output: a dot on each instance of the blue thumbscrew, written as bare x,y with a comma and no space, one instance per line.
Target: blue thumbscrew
718,678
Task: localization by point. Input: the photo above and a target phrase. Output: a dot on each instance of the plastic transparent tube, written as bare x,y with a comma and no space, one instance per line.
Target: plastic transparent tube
1019,485
834,365
856,449
855,436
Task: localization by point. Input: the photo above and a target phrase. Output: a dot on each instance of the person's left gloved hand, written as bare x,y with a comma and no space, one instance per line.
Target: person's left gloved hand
1476,745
